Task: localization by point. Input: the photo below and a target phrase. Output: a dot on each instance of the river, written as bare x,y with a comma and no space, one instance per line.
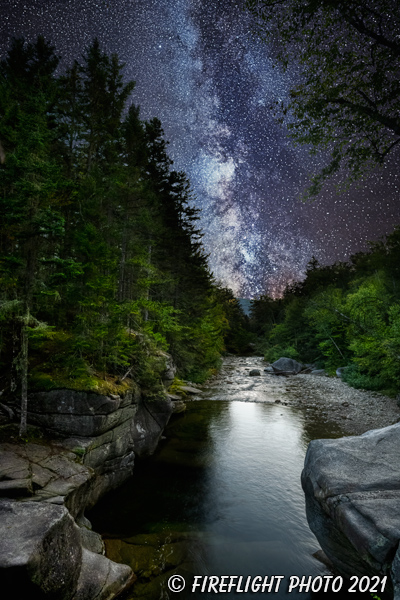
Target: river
222,494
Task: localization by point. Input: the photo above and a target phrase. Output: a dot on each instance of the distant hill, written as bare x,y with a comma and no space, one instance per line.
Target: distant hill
245,304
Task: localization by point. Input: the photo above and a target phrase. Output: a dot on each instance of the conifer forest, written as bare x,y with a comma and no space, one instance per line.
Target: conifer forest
102,266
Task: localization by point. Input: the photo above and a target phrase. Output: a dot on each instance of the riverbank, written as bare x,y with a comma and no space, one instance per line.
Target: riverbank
354,411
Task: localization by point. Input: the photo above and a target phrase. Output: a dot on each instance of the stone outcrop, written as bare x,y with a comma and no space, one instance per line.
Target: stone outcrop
148,425
49,474
85,414
47,548
169,369
352,489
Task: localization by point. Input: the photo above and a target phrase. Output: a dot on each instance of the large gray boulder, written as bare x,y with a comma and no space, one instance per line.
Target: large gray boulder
287,366
352,489
42,556
40,550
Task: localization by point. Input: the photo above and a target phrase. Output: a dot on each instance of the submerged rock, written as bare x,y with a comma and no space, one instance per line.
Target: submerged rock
154,557
352,489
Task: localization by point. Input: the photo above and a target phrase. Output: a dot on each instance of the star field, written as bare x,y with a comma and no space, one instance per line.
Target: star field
199,69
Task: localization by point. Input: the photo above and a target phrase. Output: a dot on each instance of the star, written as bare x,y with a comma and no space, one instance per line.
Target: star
201,71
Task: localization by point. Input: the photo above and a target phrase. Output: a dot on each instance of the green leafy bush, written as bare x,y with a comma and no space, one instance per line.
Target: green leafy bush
353,376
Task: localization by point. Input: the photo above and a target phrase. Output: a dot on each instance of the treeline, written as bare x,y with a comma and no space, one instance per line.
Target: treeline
343,315
102,266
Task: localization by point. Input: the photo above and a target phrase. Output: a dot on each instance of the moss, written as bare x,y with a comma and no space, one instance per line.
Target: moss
41,380
10,433
201,375
176,386
79,451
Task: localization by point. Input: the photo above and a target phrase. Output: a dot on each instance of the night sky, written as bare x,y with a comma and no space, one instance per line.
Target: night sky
199,69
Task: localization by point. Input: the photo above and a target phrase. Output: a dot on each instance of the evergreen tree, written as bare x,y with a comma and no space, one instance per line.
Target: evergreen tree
101,260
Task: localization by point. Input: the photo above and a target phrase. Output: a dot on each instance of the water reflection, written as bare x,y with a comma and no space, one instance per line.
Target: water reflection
254,481
221,496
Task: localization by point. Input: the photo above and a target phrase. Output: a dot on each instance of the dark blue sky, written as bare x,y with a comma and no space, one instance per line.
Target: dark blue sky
199,69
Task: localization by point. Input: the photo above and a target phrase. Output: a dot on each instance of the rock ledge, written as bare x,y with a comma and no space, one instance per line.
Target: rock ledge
47,548
352,489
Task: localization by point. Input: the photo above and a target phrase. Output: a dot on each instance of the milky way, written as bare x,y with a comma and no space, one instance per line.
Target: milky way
199,69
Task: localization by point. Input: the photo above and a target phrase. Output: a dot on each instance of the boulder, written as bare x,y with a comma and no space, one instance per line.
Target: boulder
100,578
255,372
286,366
43,556
189,389
352,489
46,557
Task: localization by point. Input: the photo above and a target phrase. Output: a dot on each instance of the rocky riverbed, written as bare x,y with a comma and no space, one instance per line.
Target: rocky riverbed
355,411
33,476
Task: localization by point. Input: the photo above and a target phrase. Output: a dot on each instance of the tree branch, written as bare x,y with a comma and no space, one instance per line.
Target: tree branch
360,26
388,122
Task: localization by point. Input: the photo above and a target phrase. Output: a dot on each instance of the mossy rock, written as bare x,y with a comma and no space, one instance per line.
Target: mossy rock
143,560
173,555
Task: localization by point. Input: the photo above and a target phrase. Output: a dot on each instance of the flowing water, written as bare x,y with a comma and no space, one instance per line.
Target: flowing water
222,494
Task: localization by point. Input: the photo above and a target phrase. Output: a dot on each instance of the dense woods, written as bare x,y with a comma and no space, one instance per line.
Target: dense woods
101,260
342,315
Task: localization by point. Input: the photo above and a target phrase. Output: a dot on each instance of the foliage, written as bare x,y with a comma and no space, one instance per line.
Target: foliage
325,313
343,315
99,243
356,379
273,353
347,98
